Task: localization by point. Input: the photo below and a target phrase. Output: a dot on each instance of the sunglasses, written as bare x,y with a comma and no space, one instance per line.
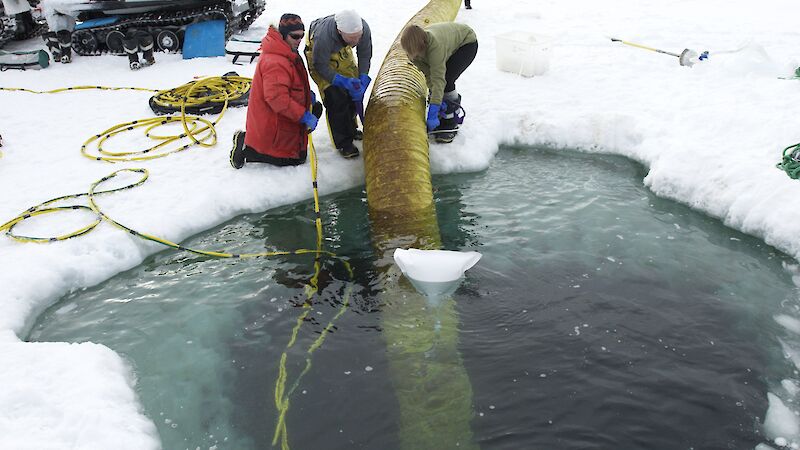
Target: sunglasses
296,35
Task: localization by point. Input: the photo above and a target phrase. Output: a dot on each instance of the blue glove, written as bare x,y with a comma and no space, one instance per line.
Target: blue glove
365,80
309,120
351,85
433,116
358,95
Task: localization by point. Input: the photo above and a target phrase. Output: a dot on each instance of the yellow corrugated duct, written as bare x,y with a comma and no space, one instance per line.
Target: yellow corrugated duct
395,137
428,375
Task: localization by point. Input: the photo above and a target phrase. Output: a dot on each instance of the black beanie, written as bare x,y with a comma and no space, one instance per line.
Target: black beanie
290,22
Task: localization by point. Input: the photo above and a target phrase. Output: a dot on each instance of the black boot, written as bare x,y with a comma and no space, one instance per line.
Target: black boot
65,44
444,135
454,107
51,41
145,42
132,50
448,122
237,151
349,150
467,4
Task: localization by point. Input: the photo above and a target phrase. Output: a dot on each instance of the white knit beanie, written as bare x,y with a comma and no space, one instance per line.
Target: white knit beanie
348,21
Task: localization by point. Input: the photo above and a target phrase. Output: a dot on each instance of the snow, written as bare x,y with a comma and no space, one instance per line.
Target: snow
780,421
710,136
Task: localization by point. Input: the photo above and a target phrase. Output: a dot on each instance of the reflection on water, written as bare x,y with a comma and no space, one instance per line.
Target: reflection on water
599,317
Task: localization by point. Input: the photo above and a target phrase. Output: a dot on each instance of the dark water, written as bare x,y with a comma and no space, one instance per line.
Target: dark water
599,317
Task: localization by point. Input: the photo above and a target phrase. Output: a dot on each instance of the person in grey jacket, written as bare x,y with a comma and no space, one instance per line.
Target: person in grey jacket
341,81
442,52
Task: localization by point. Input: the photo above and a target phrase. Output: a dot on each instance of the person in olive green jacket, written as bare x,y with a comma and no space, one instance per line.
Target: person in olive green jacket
442,52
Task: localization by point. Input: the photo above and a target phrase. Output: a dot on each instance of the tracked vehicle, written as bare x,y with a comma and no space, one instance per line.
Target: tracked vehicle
104,24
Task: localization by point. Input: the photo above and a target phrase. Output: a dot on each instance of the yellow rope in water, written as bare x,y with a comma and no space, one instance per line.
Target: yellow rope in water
208,87
281,394
102,216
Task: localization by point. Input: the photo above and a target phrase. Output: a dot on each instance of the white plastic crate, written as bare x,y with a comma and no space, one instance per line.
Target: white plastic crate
525,54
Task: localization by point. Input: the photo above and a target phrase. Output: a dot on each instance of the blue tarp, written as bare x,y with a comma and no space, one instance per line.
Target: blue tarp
204,39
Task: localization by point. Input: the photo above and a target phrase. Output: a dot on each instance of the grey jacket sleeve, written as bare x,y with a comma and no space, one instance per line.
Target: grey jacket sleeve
364,49
324,47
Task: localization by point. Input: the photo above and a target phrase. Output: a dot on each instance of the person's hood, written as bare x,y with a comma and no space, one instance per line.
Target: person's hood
273,43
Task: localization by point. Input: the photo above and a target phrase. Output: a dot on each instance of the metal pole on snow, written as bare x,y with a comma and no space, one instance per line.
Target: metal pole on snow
686,58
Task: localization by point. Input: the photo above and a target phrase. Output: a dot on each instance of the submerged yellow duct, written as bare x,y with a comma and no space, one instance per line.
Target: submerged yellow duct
428,375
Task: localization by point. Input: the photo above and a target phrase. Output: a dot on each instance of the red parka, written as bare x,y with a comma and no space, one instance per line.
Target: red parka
279,96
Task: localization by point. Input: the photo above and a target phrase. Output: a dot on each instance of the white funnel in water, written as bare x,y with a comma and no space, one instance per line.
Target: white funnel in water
435,272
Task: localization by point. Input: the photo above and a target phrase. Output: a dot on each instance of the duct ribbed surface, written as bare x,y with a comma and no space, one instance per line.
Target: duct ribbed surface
395,138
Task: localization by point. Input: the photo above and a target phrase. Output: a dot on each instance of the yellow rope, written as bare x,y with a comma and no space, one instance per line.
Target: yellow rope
75,88
208,138
204,90
43,209
200,131
281,395
79,88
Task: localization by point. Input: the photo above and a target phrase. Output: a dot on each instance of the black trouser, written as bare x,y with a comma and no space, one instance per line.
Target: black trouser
341,112
250,155
458,63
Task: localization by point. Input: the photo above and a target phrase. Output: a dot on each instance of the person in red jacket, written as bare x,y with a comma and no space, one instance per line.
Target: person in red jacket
278,117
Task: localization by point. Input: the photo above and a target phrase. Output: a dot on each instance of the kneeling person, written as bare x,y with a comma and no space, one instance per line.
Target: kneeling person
278,120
